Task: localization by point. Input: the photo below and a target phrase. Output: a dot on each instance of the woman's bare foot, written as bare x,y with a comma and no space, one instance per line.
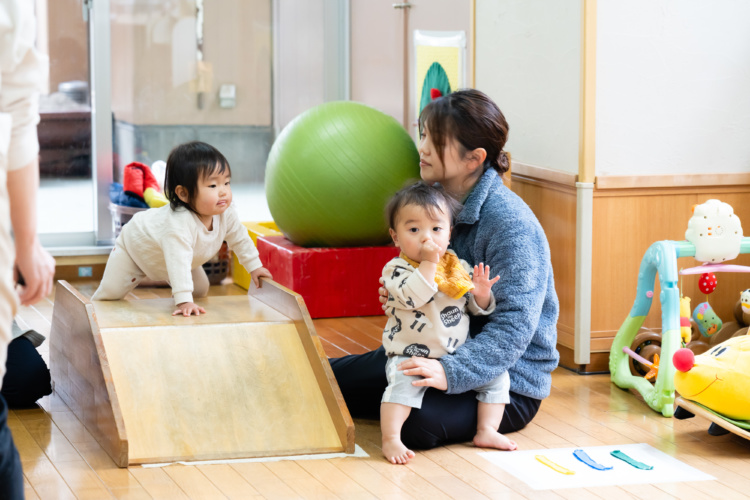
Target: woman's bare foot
490,438
395,451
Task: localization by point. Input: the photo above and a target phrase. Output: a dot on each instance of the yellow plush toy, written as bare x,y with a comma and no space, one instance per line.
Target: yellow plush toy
718,378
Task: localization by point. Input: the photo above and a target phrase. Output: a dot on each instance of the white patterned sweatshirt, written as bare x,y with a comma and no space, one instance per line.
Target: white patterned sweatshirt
423,321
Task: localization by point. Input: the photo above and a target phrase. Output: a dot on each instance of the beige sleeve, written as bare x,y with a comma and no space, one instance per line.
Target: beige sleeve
239,241
23,74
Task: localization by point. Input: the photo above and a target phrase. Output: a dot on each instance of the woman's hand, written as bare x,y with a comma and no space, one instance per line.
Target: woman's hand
188,308
37,267
431,371
383,293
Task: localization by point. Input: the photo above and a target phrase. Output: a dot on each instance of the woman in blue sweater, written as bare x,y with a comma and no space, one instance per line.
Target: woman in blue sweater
461,147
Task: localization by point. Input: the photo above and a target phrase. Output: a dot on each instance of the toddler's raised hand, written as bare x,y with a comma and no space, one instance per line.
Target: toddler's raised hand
482,284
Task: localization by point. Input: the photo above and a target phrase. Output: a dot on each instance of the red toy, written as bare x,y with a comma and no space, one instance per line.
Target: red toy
683,359
138,180
335,282
707,283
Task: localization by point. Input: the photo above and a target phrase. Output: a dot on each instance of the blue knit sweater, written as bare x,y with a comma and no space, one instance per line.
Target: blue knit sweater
496,227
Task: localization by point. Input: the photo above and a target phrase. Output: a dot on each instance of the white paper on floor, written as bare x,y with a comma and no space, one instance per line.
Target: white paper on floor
358,452
524,465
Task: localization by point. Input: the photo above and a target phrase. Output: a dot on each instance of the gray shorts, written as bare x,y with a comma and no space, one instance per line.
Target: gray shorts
401,391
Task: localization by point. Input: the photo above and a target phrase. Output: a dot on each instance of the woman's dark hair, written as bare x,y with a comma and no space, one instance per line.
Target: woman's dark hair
186,165
474,120
431,198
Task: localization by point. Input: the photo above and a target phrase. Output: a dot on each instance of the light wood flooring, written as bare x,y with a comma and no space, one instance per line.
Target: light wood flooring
62,460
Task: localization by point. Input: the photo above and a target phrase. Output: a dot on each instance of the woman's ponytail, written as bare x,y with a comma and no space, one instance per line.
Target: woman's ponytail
501,163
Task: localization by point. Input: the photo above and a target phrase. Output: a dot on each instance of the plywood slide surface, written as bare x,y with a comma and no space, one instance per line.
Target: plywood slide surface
244,380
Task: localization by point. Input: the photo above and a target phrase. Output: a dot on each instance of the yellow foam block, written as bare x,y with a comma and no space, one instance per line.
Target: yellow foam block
240,276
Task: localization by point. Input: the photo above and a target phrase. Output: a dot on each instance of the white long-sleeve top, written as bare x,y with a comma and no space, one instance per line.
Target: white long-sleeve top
23,72
168,244
423,321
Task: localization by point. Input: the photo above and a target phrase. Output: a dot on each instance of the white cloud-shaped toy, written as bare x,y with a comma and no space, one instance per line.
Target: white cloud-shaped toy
715,231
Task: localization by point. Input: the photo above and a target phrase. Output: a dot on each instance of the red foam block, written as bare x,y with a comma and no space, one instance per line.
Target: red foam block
335,282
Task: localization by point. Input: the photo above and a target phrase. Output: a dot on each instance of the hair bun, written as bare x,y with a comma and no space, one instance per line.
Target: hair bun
504,159
501,163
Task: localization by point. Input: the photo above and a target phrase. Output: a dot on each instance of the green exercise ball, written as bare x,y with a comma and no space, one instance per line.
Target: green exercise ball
331,172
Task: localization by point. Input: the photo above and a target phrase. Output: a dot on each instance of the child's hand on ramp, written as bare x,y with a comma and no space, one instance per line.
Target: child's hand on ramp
188,308
259,273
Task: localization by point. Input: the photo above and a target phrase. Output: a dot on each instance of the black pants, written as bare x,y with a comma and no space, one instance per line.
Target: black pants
27,377
11,474
443,418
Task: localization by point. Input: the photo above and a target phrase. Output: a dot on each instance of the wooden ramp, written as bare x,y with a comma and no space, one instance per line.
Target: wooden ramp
247,379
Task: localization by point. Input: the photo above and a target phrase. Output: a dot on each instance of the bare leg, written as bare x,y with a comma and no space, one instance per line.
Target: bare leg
488,422
392,418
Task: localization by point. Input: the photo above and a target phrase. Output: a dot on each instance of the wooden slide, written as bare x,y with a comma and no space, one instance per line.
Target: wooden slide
248,379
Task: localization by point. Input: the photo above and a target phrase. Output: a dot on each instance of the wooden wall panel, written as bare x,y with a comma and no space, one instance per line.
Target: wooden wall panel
554,205
626,223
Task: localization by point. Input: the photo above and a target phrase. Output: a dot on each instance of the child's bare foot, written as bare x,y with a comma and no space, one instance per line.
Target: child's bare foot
490,438
395,451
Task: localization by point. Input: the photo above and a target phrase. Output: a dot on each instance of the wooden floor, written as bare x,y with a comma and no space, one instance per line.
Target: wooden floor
62,460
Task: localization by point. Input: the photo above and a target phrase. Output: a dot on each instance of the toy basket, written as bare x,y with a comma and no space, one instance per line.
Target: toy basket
218,268
121,215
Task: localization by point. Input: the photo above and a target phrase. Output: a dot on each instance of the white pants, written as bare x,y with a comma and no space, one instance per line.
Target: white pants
401,391
122,275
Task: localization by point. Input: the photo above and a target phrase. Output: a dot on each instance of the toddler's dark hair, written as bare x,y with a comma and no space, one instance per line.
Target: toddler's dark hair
431,198
474,120
186,165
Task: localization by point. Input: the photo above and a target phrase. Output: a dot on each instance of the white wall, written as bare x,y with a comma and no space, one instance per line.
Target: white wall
378,49
310,55
528,59
673,87
377,56
153,61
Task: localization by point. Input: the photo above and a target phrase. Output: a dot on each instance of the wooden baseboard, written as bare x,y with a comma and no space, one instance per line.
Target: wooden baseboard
74,267
599,361
73,273
700,181
545,175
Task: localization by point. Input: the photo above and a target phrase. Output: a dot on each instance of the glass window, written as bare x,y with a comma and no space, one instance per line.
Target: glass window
66,197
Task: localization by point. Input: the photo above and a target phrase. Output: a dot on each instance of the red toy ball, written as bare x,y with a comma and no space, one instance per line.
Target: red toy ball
683,359
707,283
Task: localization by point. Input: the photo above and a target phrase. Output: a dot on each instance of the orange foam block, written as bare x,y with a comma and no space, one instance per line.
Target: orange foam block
335,282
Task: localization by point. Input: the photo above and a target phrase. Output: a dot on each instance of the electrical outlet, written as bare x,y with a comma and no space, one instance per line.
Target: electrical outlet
227,95
85,272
